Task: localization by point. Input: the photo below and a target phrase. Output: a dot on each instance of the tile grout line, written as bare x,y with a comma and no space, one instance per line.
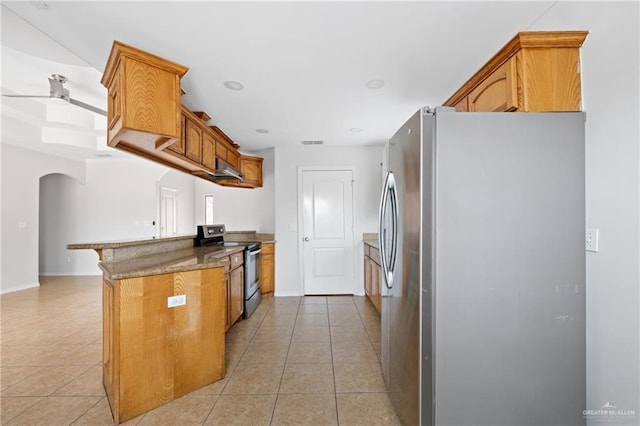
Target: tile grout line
219,395
275,403
90,408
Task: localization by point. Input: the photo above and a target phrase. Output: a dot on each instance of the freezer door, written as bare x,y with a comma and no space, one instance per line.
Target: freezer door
401,297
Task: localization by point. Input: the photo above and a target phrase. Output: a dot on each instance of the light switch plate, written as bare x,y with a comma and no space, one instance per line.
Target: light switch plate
174,301
591,239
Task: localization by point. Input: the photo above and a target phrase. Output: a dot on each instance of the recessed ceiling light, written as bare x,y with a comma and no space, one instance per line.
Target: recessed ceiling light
355,130
233,85
374,84
262,131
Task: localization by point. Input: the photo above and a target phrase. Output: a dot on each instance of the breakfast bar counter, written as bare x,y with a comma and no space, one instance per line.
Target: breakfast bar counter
164,313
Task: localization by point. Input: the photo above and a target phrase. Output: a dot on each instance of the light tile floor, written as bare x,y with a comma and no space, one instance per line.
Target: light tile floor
297,360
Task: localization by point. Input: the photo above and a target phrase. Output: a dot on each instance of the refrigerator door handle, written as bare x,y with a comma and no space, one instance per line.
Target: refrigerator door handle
388,263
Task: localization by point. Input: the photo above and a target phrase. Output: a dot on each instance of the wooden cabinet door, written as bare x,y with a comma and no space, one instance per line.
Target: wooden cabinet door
376,295
208,151
221,150
236,294
367,276
462,105
267,284
193,140
373,275
251,168
233,158
227,286
498,92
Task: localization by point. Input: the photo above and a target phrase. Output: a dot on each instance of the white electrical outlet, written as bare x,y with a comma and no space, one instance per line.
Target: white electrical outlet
179,300
591,240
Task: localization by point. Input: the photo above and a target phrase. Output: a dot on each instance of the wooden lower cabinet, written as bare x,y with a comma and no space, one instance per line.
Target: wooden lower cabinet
153,354
267,284
373,276
234,280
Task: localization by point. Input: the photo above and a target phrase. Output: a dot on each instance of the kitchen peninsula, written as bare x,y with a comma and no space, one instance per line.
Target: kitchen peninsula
164,306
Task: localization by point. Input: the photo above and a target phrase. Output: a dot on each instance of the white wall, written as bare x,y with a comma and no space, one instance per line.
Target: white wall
106,200
21,171
241,209
118,200
367,171
610,76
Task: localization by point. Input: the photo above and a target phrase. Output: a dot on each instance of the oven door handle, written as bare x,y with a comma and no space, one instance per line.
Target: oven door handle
254,252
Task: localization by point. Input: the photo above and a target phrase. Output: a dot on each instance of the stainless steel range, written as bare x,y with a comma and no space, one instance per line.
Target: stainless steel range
213,235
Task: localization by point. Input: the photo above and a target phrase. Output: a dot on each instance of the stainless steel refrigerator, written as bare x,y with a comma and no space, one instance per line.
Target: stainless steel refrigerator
482,224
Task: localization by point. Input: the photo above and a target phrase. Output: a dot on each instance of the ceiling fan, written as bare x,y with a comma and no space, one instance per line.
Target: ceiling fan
58,91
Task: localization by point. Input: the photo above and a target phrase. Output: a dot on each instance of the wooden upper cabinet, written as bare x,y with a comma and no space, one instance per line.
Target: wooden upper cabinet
251,168
221,150
462,105
208,150
197,144
143,98
193,140
146,117
226,149
233,157
496,93
534,71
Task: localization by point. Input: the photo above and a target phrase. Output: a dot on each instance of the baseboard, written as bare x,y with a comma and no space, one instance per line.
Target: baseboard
18,288
296,294
70,274
286,294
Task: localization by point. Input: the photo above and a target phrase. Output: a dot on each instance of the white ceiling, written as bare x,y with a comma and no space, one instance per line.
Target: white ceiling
303,65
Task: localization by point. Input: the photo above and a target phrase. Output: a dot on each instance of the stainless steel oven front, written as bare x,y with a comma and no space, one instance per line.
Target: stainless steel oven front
252,274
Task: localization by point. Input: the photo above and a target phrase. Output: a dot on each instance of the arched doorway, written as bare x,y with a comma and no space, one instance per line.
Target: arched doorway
57,215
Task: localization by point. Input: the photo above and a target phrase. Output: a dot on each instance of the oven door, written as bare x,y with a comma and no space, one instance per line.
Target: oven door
253,267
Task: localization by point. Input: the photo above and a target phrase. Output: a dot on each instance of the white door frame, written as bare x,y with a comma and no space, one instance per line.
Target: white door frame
301,170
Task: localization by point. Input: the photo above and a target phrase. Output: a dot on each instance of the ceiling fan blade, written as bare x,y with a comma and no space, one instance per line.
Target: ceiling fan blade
87,106
25,96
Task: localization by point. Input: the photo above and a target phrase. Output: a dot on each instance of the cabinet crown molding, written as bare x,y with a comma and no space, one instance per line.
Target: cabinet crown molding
521,41
120,50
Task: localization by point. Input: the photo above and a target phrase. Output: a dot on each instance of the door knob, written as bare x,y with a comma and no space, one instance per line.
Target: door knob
306,238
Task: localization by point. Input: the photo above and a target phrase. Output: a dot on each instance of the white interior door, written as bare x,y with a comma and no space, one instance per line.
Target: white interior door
168,211
327,231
